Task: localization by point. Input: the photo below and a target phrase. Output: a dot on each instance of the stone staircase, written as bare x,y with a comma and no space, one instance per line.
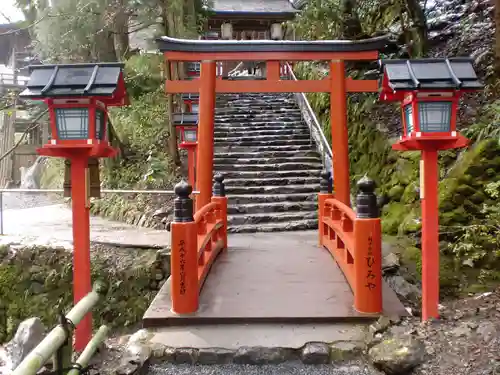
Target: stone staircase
271,167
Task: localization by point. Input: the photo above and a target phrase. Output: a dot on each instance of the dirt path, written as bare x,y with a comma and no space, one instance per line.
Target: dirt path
53,224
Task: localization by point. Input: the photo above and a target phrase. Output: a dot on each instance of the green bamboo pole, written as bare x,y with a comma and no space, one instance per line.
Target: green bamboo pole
56,338
84,358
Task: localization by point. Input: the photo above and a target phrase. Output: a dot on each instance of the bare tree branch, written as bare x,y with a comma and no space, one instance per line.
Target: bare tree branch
32,126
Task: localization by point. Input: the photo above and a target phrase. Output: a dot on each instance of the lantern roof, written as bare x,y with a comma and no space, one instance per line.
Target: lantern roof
191,96
428,74
103,80
185,118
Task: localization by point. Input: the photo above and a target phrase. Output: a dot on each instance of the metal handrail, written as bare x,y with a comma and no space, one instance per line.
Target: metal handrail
327,154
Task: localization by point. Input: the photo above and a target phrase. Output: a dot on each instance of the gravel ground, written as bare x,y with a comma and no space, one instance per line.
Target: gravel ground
28,200
289,368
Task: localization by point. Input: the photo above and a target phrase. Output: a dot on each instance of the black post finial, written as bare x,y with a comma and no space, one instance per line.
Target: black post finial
325,184
366,200
219,189
183,204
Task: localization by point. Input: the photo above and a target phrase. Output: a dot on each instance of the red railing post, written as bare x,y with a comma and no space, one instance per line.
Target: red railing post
324,194
219,197
367,250
184,253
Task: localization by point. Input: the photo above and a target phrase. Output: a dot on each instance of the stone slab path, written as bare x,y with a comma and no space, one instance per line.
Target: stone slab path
234,336
53,224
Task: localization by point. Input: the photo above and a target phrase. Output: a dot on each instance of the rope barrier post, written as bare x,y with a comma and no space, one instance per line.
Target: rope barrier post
325,192
184,255
219,197
367,250
63,356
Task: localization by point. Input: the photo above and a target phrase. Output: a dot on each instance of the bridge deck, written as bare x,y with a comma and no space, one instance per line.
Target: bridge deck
271,277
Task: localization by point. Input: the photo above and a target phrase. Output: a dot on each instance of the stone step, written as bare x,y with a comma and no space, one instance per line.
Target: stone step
263,138
219,149
273,167
264,144
274,181
270,217
289,189
253,208
244,199
229,173
256,108
265,154
260,125
255,112
273,160
275,227
254,118
286,131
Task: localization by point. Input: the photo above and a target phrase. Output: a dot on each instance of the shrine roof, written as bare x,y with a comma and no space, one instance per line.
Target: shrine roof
84,80
269,7
429,74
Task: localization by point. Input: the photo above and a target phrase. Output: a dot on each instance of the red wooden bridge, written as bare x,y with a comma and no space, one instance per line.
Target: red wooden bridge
324,275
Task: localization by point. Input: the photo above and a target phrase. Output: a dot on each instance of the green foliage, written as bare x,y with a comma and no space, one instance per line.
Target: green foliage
143,129
37,281
487,126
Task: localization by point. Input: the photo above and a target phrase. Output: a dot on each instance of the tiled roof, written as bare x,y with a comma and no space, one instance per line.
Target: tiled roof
433,74
73,80
253,6
299,4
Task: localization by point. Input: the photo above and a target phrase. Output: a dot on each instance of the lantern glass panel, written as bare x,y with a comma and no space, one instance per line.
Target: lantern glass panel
100,124
434,117
72,123
195,108
409,118
190,135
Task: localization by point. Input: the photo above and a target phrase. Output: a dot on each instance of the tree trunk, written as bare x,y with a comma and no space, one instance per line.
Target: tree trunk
171,145
497,37
105,47
122,41
419,28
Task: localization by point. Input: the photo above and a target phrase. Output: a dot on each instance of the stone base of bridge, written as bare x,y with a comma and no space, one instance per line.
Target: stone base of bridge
271,278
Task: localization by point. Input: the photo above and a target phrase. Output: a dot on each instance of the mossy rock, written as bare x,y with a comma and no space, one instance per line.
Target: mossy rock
38,282
465,190
396,192
410,194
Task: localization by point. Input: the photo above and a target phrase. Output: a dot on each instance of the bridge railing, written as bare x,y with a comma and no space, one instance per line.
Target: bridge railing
58,343
196,242
354,239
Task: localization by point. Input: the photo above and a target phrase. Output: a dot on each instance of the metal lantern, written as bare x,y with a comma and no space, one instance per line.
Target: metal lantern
429,91
78,97
227,31
187,127
190,135
276,31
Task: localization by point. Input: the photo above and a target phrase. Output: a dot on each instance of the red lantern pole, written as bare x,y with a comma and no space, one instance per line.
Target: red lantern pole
429,175
82,284
191,161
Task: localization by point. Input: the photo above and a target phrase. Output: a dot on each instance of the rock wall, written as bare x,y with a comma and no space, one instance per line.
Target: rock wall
37,281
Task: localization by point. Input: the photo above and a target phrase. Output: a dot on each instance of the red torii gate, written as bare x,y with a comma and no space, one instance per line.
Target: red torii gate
354,240
273,53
